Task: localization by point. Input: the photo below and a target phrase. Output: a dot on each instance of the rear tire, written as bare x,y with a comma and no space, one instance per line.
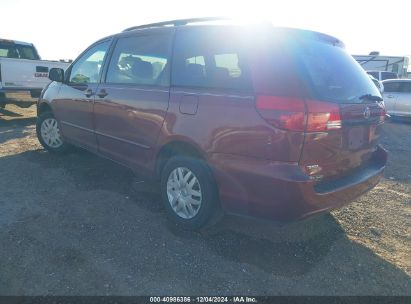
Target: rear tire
49,135
189,193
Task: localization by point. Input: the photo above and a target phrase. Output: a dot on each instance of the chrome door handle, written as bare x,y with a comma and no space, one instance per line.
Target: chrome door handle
390,96
88,93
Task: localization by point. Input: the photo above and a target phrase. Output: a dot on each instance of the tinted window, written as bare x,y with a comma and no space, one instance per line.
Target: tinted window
228,62
332,73
196,60
391,86
27,52
210,59
87,68
406,87
140,60
388,75
11,50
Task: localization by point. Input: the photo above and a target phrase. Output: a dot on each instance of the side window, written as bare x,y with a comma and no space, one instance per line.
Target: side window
88,68
391,87
210,60
140,60
406,87
8,50
3,51
196,60
388,75
228,62
27,52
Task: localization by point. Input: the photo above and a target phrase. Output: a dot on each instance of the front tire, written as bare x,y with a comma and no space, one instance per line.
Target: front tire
49,135
189,193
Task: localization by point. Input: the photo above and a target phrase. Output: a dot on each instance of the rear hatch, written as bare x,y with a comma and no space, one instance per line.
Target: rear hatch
311,90
349,137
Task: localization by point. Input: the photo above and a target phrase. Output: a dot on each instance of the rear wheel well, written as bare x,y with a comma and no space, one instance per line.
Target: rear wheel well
43,107
174,149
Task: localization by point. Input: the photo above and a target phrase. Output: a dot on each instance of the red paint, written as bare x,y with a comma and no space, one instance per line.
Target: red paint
260,146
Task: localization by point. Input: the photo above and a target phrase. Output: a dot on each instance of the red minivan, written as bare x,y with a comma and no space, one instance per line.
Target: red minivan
275,123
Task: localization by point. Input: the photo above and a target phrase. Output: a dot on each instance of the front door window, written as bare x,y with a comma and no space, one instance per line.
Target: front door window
87,69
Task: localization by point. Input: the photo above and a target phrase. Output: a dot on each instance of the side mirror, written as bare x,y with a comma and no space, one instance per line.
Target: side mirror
381,88
56,74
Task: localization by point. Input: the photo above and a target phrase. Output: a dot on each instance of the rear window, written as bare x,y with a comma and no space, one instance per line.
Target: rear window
388,75
12,50
332,74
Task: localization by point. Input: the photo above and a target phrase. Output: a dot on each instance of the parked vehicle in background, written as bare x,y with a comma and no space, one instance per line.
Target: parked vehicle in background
22,70
382,75
397,97
377,83
393,64
268,122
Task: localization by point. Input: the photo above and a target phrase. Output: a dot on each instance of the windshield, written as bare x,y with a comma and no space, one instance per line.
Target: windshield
333,74
12,50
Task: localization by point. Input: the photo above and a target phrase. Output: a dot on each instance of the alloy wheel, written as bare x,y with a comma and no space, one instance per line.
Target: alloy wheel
50,133
184,192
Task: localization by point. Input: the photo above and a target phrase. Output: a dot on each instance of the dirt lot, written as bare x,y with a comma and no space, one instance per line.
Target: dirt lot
79,225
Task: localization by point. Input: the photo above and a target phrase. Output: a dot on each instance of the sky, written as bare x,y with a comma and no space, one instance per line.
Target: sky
63,29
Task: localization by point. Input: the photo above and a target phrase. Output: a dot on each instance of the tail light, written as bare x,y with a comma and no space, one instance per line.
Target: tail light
295,114
383,113
323,116
282,112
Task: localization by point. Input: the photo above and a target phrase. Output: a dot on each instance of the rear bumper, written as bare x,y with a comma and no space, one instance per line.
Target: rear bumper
282,191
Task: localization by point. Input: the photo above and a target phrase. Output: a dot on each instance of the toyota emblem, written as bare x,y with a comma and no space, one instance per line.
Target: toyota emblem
367,113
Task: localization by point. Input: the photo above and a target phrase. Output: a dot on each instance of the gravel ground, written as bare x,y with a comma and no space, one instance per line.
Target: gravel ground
80,225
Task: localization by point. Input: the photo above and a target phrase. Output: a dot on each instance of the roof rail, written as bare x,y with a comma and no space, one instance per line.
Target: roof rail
177,22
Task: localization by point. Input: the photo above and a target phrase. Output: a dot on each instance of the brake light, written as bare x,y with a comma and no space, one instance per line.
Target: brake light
383,113
323,116
286,113
295,114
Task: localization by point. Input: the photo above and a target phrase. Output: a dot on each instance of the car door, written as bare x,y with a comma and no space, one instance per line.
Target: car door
132,102
74,105
403,102
391,91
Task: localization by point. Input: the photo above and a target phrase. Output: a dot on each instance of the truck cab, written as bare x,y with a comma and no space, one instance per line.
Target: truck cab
22,71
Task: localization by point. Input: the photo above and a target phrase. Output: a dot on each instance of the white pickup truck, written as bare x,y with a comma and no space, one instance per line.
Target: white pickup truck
22,72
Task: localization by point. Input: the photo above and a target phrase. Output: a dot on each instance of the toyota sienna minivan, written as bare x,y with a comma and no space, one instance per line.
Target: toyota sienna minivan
274,123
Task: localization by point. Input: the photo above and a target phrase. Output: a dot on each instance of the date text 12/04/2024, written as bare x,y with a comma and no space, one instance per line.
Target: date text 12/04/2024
237,299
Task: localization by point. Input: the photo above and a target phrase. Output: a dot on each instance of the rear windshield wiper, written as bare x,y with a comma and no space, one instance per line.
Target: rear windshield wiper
370,97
